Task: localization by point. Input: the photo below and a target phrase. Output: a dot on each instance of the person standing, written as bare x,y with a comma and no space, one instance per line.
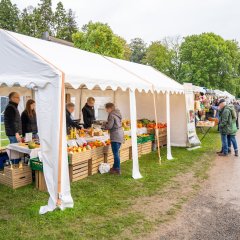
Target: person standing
114,125
88,112
70,107
29,119
225,125
237,109
232,135
12,118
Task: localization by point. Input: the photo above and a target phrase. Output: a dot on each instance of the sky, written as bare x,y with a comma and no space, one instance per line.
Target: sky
153,20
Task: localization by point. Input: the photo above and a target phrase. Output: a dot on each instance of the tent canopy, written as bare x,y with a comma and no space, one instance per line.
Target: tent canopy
80,67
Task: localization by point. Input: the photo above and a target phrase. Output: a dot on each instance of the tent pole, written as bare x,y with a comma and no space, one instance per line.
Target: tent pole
133,114
156,129
60,141
169,152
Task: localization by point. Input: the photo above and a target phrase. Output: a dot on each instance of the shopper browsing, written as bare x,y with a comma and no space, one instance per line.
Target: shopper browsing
114,125
12,118
225,125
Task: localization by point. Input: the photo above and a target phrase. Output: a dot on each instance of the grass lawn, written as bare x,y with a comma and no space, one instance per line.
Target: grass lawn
102,202
3,138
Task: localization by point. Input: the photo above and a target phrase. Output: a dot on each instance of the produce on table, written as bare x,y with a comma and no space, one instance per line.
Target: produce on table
32,145
159,125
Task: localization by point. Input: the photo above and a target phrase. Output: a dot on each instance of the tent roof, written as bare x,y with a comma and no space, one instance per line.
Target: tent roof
26,60
160,81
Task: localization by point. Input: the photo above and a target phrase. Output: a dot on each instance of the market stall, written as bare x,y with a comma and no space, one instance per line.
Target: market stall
48,68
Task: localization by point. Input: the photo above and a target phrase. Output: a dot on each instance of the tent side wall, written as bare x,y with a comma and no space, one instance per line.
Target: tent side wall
178,120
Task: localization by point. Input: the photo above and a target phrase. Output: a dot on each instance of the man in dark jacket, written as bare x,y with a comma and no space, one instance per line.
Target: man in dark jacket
89,113
69,121
225,125
12,119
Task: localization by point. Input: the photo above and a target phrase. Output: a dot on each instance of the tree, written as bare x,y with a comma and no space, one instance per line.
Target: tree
159,57
71,25
60,21
173,45
138,49
208,60
99,38
43,15
9,12
28,22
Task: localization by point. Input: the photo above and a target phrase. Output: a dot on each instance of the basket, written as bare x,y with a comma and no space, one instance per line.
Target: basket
36,165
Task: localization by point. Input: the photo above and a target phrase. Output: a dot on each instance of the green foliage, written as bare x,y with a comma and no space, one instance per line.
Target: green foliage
9,12
159,57
138,48
99,38
208,60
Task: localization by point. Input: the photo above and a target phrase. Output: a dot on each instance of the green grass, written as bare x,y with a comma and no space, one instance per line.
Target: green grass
4,142
102,202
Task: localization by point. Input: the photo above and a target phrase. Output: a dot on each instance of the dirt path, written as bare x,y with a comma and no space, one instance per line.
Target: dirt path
214,213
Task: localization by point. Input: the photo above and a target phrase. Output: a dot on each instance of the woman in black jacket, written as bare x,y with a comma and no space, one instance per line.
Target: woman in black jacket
29,119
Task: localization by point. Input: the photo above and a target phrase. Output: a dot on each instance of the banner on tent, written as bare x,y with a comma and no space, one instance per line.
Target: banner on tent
193,139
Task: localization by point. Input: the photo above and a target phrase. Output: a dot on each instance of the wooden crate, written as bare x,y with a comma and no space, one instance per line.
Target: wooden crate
124,154
79,171
98,152
40,183
126,144
108,158
16,177
80,157
94,165
163,140
146,148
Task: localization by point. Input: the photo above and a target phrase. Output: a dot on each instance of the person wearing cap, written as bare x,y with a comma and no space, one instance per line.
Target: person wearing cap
225,125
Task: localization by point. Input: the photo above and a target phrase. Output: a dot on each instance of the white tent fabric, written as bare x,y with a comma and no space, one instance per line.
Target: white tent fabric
158,80
81,67
43,65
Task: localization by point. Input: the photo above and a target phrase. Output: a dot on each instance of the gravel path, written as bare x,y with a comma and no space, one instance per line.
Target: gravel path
214,214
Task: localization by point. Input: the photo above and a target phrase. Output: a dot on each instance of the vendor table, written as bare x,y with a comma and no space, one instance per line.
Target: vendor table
14,150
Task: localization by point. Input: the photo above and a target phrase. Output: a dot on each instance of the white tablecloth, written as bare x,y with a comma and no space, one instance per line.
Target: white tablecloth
15,151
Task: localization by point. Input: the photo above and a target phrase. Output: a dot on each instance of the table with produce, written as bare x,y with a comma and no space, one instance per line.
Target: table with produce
89,148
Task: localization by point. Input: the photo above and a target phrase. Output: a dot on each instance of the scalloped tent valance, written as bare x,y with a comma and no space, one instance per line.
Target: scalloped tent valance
30,61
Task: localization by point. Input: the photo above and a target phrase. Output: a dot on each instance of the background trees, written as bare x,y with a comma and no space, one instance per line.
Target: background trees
206,59
99,38
9,15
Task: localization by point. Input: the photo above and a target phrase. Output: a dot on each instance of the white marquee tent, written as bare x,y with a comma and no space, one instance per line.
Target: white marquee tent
48,68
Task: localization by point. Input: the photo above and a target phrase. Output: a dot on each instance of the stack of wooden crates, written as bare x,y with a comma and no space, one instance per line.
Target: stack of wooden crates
16,176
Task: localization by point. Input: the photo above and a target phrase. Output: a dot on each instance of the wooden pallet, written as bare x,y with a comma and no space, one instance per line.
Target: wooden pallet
79,171
94,165
146,148
16,177
80,157
40,183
